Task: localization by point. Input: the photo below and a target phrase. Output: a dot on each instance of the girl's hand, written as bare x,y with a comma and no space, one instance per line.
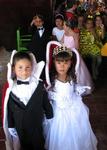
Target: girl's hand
102,26
80,90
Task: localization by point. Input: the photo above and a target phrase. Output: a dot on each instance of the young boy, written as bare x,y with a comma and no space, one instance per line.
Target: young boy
40,38
24,104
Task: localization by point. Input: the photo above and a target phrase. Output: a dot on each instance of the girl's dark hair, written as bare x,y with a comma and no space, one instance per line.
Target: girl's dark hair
63,56
59,16
98,15
21,55
72,23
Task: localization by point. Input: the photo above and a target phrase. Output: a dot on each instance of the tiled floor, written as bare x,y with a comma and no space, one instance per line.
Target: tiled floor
97,103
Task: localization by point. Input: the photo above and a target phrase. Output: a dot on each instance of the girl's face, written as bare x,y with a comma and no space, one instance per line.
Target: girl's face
80,20
98,21
66,28
23,69
89,24
59,23
62,67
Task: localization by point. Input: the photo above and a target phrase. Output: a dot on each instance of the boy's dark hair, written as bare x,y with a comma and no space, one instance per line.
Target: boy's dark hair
39,16
21,55
63,56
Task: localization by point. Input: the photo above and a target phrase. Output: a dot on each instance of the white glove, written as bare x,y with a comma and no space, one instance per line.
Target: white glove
13,132
13,53
80,90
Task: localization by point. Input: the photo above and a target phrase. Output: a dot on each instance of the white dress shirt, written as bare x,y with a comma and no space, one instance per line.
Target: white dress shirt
25,91
41,30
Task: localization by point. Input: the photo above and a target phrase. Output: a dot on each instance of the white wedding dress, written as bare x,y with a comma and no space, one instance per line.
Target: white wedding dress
70,128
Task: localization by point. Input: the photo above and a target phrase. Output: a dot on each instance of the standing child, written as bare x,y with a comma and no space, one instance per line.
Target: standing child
90,47
40,37
71,40
58,31
70,128
25,103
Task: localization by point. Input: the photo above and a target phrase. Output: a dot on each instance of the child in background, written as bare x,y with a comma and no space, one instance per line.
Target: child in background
90,47
71,40
40,37
58,31
99,26
70,128
80,21
24,104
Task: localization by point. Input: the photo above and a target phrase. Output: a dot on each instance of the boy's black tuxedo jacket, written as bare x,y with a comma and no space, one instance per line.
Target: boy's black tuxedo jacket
28,119
38,44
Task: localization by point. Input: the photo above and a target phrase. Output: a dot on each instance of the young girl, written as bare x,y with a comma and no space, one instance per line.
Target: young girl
80,21
24,104
58,31
90,47
70,128
99,26
71,40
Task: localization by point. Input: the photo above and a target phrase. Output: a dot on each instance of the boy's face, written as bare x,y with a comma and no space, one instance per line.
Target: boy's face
23,69
38,22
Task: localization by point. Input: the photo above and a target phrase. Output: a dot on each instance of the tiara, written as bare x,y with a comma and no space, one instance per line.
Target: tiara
60,49
59,15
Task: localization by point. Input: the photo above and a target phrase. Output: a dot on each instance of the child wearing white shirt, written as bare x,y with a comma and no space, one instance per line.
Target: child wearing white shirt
58,31
25,104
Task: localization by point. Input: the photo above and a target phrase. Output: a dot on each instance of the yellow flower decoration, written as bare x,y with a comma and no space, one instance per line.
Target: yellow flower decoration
90,17
97,13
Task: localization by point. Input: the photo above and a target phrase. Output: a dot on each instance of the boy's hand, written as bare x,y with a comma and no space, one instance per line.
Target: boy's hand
13,132
31,24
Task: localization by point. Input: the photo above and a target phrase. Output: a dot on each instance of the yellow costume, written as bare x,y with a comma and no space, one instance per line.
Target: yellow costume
89,45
